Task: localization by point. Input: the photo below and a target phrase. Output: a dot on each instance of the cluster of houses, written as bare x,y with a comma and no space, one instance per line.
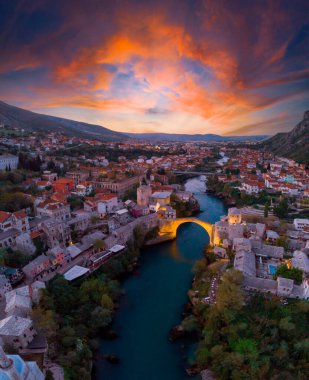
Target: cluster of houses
64,237
258,252
257,171
74,241
17,331
63,240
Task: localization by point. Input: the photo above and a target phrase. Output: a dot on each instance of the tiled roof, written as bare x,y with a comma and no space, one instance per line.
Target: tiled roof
4,216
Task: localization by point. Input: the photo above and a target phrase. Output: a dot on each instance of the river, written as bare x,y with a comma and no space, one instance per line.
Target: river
154,300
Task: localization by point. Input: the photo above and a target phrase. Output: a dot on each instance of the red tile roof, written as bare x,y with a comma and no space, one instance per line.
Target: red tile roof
20,214
4,216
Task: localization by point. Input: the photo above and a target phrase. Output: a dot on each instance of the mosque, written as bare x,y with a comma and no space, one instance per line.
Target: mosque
13,367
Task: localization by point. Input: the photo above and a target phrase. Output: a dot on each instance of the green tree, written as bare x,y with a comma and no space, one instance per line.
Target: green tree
99,245
266,209
100,317
107,302
190,324
291,273
281,210
229,294
94,219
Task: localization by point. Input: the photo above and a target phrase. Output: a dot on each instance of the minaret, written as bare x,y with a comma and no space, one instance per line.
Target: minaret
7,365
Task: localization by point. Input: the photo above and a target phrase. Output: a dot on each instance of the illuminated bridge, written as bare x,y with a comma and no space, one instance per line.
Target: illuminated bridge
168,227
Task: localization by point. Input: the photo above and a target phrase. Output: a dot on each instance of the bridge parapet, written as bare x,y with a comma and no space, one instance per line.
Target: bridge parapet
168,227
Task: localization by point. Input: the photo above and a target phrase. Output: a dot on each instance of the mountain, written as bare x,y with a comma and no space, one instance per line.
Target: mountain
293,144
31,121
190,138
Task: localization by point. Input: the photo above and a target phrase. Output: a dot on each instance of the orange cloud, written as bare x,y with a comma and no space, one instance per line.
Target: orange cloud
215,64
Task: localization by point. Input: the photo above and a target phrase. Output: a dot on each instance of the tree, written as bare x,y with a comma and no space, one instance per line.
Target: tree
15,259
51,165
291,273
99,245
200,266
46,321
229,294
94,219
100,317
107,302
130,194
190,324
281,210
282,241
49,375
266,209
2,256
75,202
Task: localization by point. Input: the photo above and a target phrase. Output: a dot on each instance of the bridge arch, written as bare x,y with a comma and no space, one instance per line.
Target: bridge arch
168,227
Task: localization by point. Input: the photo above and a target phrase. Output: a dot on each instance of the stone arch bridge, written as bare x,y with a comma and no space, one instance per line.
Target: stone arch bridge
168,227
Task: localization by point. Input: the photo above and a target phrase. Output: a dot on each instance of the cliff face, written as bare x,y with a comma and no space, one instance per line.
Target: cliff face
294,144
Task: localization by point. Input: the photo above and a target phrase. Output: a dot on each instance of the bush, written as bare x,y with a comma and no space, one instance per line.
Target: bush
291,273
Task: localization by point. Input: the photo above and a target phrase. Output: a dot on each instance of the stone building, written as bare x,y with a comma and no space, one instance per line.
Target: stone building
143,195
17,332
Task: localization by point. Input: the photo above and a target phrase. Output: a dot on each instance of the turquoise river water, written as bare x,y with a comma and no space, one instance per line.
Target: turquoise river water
154,300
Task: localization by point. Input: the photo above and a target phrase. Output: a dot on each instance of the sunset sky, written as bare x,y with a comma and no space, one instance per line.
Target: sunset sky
176,66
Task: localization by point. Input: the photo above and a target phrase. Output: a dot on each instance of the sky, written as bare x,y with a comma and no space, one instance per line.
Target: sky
229,67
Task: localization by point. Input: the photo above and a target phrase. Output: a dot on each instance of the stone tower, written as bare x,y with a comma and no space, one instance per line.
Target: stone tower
143,194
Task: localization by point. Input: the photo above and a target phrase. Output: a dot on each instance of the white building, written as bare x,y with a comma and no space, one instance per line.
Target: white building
300,260
106,204
17,332
282,287
17,219
300,224
32,291
184,196
8,162
167,212
25,244
250,187
55,210
285,287
234,215
18,305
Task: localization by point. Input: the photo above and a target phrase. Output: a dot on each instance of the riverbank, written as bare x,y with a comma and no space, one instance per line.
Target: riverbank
73,337
229,193
241,336
153,303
